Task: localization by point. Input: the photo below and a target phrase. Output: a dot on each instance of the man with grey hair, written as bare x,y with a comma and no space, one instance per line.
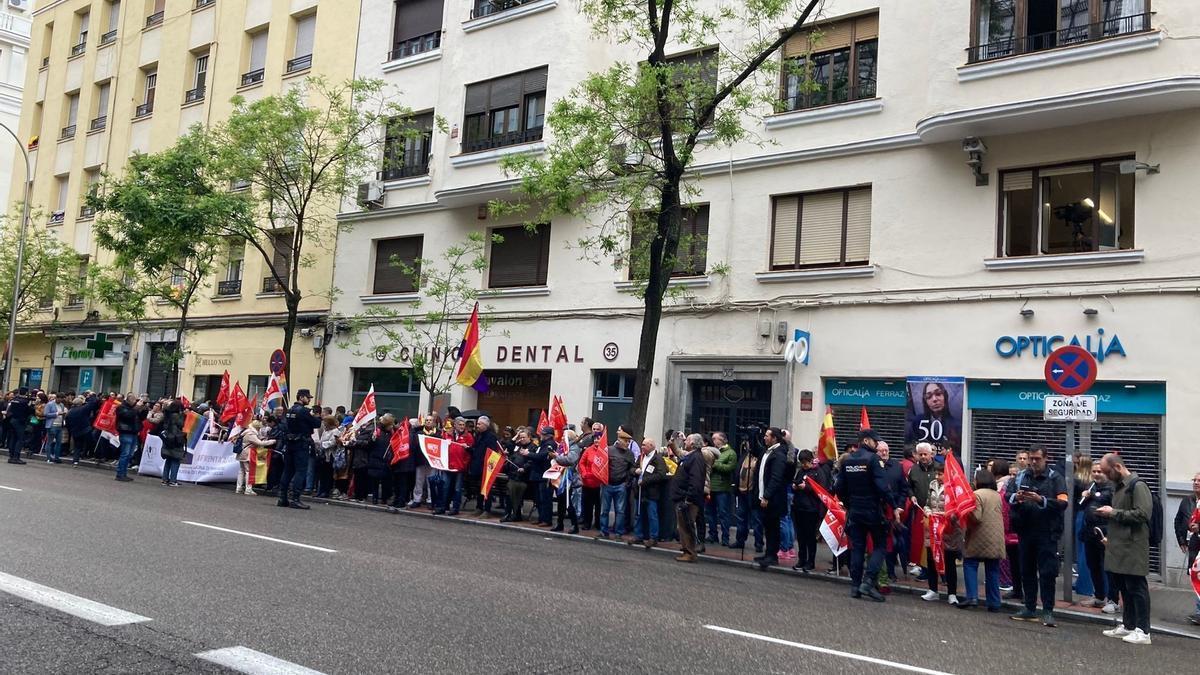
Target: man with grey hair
687,495
1127,554
485,439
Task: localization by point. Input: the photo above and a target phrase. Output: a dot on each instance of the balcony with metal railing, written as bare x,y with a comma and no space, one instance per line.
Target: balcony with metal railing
193,95
417,45
108,38
229,287
1063,37
271,285
67,132
75,301
98,124
299,63
57,218
488,7
86,212
253,77
823,96
503,140
201,4
155,19
79,48
403,171
143,110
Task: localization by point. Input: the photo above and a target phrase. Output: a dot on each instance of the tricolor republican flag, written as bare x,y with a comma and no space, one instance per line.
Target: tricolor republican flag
366,411
273,393
833,525
470,360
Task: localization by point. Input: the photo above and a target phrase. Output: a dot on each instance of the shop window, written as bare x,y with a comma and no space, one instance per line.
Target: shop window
520,258
831,63
206,388
30,378
1072,208
397,391
821,229
397,265
692,258
256,386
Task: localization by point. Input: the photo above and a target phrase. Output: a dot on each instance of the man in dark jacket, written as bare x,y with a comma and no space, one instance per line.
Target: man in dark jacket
863,487
745,491
613,495
17,419
807,510
485,439
687,495
772,493
894,471
1127,554
128,425
300,425
79,426
539,463
650,475
1187,534
1038,501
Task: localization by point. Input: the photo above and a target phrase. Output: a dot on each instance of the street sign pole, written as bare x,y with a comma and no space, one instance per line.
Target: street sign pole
1069,516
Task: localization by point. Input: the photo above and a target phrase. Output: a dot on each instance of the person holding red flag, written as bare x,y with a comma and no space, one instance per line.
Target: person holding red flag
403,465
1187,535
862,485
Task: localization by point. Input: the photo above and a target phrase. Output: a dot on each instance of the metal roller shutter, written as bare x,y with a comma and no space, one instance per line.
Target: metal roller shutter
888,421
1001,434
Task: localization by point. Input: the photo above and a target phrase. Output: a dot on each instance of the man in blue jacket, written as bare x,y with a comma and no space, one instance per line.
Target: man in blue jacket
1038,498
865,490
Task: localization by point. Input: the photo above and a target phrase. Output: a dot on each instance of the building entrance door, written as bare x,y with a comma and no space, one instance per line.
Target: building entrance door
516,397
737,408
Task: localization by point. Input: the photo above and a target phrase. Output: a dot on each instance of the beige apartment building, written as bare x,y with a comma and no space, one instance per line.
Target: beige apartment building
108,78
973,183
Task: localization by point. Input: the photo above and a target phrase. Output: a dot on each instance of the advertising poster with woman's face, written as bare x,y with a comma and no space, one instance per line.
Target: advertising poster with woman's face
935,411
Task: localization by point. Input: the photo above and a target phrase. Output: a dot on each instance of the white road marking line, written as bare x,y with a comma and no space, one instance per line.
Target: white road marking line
831,652
263,537
5,487
246,660
67,603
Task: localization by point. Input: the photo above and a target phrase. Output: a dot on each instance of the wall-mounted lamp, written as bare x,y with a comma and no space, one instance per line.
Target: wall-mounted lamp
1131,386
1026,312
1133,166
1090,311
994,384
482,212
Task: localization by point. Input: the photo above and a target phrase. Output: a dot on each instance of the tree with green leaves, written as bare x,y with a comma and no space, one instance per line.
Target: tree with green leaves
299,153
49,272
427,335
163,219
624,141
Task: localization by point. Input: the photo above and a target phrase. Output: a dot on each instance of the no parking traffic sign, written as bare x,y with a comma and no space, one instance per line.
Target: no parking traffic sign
1070,370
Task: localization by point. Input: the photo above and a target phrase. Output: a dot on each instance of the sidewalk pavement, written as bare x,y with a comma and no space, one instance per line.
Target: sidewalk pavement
1169,607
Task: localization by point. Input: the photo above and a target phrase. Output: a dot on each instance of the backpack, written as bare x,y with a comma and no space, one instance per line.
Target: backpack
172,434
593,467
1156,515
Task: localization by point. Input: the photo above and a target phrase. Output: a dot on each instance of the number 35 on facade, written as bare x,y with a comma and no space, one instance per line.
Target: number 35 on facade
1069,408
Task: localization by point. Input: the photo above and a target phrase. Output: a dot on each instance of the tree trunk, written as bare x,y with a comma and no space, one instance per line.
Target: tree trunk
663,248
289,330
181,330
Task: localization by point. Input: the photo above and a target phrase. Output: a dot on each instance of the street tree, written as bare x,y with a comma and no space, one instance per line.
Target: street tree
49,272
624,140
163,219
427,335
298,154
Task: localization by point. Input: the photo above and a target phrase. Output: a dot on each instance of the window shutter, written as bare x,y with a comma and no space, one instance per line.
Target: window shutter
783,246
1065,170
477,98
159,5
858,226
693,260
506,92
521,259
102,100
866,27
415,18
390,278
282,255
306,30
1018,180
534,81
821,230
823,38
72,109
258,50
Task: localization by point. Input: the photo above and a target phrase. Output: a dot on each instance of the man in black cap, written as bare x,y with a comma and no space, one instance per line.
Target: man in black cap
17,418
862,485
300,425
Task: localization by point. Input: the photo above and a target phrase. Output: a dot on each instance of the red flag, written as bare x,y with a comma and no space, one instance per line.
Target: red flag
558,417
1194,571
246,414
399,444
960,500
224,392
603,442
184,400
543,422
491,470
366,411
827,450
938,522
916,536
833,525
234,403
864,422
106,421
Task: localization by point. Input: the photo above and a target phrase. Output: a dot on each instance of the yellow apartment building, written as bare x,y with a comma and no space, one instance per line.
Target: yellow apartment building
108,78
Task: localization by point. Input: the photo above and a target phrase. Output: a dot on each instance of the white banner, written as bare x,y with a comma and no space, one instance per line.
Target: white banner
209,462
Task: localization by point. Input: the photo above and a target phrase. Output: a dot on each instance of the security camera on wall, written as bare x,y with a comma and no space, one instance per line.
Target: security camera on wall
974,145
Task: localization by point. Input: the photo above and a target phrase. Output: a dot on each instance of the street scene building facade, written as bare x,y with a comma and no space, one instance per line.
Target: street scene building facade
109,79
985,182
15,27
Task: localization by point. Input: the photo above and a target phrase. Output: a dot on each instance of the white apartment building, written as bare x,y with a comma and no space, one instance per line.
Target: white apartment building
861,224
15,29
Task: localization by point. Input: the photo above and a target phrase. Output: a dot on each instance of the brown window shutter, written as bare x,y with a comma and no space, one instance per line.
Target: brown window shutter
694,260
821,38
477,98
786,226
506,92
415,18
521,259
282,254
391,278
866,27
858,226
534,81
821,238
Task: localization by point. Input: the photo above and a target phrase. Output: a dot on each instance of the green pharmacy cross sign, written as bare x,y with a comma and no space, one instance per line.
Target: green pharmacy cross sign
99,344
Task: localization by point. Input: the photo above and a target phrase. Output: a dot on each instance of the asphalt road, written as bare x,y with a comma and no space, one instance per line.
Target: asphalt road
395,593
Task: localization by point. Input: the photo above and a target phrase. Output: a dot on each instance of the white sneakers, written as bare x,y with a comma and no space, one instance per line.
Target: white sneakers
1110,608
914,569
1118,632
249,492
1133,637
953,599
930,596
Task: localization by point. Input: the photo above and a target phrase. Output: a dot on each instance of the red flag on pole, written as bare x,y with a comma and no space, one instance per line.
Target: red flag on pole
399,445
366,411
864,422
106,422
543,422
960,499
234,403
938,522
224,392
833,525
558,417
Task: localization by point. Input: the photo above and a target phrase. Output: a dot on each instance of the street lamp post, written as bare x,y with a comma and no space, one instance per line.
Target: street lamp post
12,315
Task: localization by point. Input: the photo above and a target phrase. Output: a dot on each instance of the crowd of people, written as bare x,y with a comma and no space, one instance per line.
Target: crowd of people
699,490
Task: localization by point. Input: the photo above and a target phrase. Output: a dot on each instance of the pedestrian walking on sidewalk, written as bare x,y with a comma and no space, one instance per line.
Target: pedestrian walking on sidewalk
1127,557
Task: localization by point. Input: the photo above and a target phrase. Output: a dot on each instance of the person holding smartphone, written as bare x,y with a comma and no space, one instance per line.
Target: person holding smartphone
1097,493
1037,502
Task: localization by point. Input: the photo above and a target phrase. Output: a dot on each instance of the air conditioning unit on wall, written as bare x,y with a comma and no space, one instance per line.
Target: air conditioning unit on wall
19,4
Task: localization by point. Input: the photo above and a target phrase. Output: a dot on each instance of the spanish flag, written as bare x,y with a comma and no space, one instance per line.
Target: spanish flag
827,448
470,360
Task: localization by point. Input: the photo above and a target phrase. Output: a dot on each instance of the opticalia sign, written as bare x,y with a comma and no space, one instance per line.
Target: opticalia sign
1040,346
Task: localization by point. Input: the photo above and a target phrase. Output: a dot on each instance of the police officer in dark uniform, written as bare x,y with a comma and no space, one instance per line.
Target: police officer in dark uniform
299,424
863,486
